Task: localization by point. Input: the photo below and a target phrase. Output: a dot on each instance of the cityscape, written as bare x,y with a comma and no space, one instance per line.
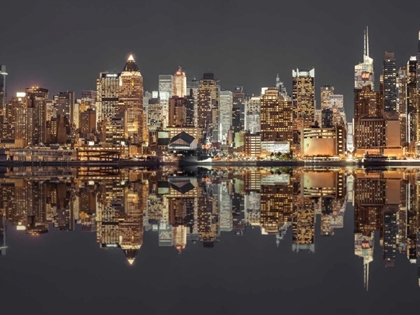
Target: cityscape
199,207
196,119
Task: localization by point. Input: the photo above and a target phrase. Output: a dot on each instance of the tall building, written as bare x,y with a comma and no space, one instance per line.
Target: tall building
363,72
64,102
304,95
180,83
3,87
336,102
181,112
165,93
130,96
238,109
208,106
192,88
326,92
37,109
390,82
276,117
412,101
252,114
107,86
281,87
418,64
225,113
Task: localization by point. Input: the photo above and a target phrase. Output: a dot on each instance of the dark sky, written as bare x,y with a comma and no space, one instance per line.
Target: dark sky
64,45
67,273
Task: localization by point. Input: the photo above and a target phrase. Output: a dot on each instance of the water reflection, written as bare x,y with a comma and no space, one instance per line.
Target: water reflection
198,206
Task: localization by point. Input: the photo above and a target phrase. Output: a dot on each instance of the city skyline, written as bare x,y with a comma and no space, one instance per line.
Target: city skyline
263,63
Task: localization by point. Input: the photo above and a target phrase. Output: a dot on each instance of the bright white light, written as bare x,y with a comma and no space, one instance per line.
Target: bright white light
20,94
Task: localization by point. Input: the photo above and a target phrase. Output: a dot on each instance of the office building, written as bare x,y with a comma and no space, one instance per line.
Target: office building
390,91
64,104
130,97
276,117
107,86
225,113
326,92
363,72
208,106
238,110
36,103
180,83
304,96
3,87
165,93
252,114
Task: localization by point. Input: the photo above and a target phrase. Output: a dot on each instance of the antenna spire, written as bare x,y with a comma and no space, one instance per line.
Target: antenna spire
367,40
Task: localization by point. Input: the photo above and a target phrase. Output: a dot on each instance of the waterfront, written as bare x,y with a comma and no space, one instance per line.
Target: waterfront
238,240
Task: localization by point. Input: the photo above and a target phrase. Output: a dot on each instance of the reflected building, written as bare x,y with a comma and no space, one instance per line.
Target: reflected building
183,208
3,232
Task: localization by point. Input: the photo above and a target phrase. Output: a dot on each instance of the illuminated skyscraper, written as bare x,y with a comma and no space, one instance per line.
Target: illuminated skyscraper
304,95
165,93
281,88
253,114
130,96
412,103
238,109
363,72
179,84
418,64
181,111
208,106
276,117
225,113
390,82
64,102
108,88
326,92
37,109
3,87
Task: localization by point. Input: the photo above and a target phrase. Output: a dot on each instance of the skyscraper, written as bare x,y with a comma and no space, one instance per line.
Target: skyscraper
276,117
3,87
418,64
390,82
326,92
363,72
304,95
180,83
37,109
64,102
238,109
131,97
165,93
107,86
226,103
412,102
208,106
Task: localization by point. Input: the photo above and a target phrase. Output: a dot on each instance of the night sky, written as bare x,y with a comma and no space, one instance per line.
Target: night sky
64,45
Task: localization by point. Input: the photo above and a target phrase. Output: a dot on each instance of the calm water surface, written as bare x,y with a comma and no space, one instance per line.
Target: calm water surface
223,241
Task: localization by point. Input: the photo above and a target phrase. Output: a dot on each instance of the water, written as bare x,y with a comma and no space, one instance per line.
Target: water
198,241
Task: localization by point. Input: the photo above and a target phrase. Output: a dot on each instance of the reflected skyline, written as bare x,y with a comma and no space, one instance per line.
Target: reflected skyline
190,208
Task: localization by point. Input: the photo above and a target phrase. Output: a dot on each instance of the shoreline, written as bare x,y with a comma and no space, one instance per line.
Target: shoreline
156,164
